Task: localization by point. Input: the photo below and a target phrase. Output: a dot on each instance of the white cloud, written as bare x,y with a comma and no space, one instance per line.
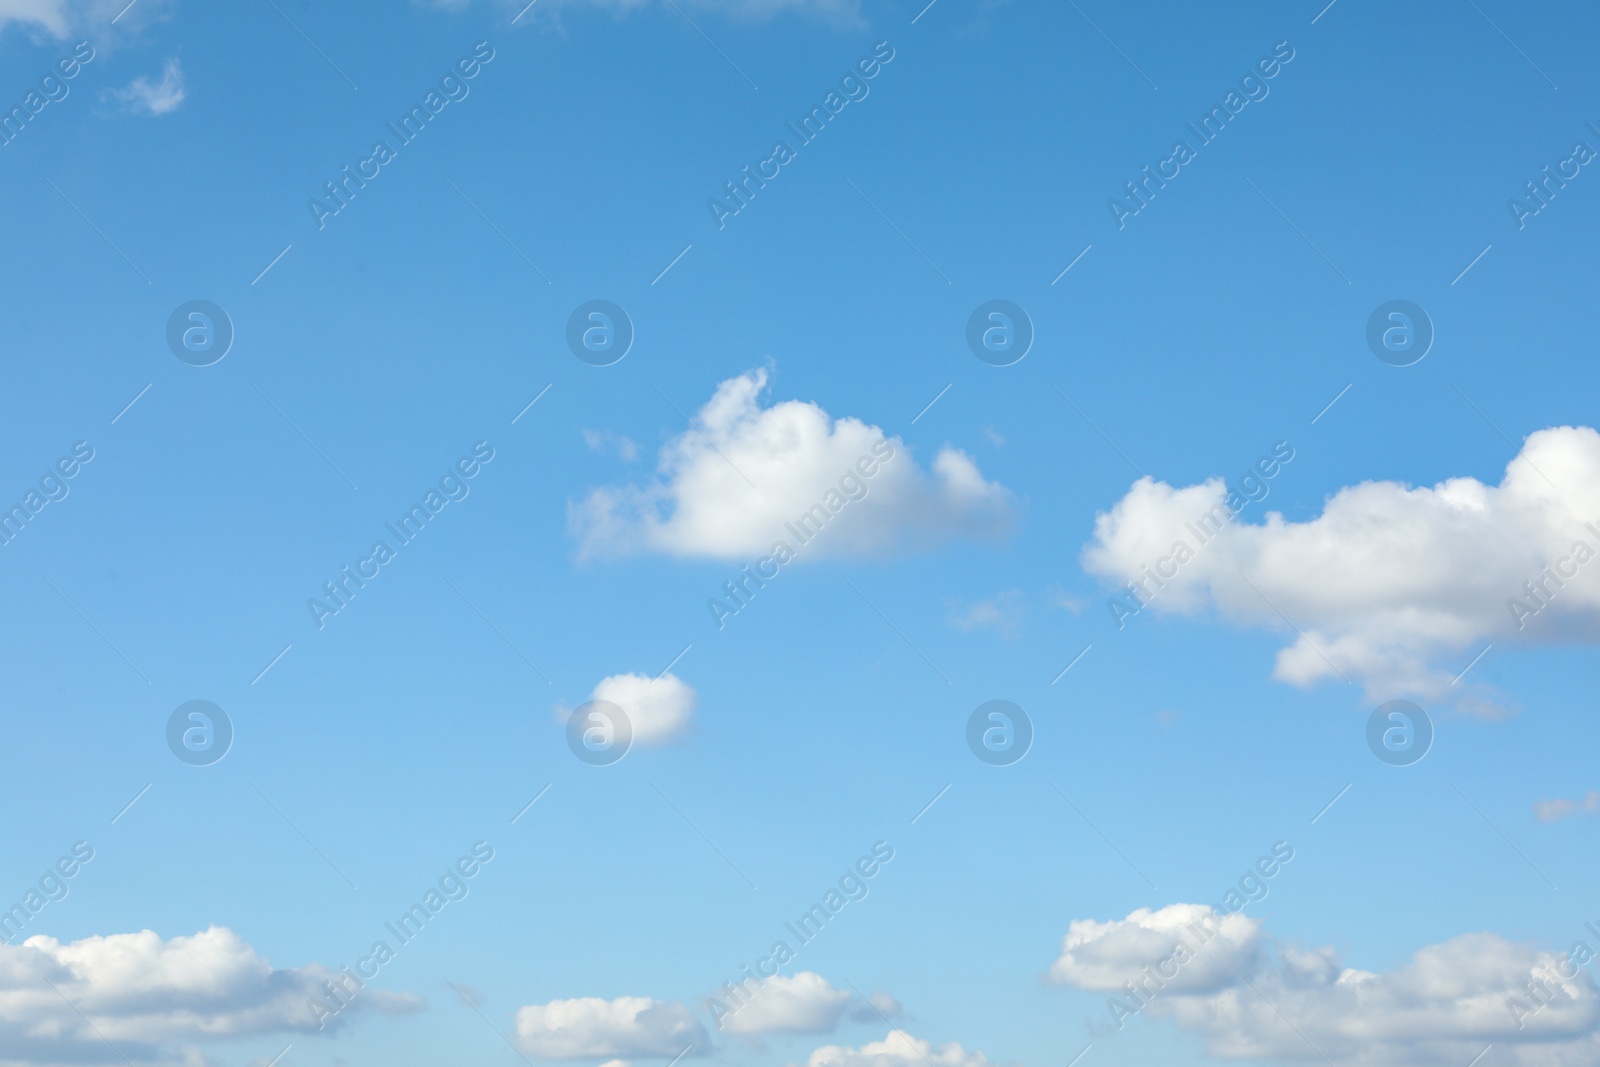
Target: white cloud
1392,586
592,1028
804,1004
1560,808
897,1049
1265,999
1001,613
658,709
153,98
797,461
151,997
1104,955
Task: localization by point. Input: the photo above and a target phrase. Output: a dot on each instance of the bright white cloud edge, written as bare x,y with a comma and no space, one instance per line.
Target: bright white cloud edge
1392,586
658,709
735,484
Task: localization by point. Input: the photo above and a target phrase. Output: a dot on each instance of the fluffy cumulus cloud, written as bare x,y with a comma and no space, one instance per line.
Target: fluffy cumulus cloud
897,1049
748,476
806,1003
1103,955
152,998
146,97
1255,998
1392,586
658,709
593,1028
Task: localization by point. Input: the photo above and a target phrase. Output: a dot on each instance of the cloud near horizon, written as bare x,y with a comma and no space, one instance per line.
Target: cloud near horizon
594,1028
1253,997
897,1049
153,997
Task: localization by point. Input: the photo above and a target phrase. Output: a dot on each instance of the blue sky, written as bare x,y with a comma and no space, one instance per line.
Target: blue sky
586,519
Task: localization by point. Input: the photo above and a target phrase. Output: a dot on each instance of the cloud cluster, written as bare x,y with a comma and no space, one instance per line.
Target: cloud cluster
1265,999
63,1003
1393,586
594,1028
725,488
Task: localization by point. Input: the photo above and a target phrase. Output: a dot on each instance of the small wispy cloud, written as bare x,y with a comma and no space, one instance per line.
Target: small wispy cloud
604,442
1560,808
143,96
1067,602
1001,613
